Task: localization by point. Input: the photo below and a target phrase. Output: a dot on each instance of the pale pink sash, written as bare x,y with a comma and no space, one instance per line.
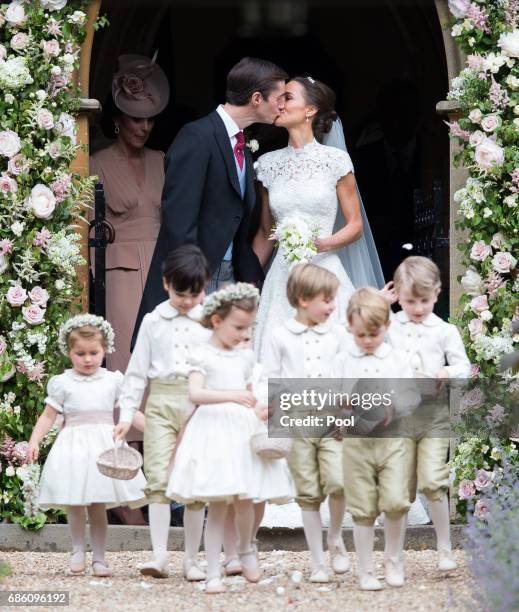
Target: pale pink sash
88,417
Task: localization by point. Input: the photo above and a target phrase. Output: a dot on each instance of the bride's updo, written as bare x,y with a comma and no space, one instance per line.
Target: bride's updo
323,98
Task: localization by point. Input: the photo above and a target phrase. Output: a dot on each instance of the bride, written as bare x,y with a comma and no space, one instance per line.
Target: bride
313,182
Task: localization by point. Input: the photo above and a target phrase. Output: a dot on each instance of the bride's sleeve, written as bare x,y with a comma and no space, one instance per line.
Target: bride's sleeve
262,171
340,164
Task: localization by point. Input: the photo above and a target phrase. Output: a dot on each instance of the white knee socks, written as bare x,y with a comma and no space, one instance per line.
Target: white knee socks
193,527
439,511
230,536
244,520
76,520
364,537
159,518
213,537
98,527
313,529
259,511
337,506
393,537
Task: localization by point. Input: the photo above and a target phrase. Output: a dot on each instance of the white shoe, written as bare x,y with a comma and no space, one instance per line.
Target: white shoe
192,571
158,568
214,586
320,575
446,561
395,576
232,567
339,558
368,582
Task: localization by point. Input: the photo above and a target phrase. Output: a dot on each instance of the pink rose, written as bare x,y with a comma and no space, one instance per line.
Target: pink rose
481,509
476,328
490,123
10,143
466,490
480,251
20,451
479,304
39,296
16,295
472,399
9,374
50,47
489,155
42,202
459,8
54,150
17,164
15,14
483,480
44,119
497,240
476,138
503,262
3,52
3,345
33,314
7,184
19,41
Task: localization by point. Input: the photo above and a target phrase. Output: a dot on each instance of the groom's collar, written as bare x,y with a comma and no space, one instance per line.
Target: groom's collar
230,124
298,328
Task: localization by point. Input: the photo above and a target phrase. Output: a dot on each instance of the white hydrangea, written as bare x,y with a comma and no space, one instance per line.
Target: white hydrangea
14,73
64,252
492,348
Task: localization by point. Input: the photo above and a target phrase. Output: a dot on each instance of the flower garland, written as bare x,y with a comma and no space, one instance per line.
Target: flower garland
40,201
487,92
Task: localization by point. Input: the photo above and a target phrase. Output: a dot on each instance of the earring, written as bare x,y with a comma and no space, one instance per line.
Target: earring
307,118
116,129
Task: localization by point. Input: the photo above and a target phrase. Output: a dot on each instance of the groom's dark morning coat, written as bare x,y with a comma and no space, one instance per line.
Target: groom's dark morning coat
202,205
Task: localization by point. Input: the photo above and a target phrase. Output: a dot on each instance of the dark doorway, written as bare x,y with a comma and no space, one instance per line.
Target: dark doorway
384,58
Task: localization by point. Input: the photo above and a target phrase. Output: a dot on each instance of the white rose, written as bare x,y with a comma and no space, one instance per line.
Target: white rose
475,115
77,17
10,143
503,262
459,8
16,295
490,123
33,314
4,263
489,155
3,52
42,202
41,95
512,81
59,284
50,47
10,471
17,228
55,70
509,43
511,200
53,5
19,41
487,212
68,58
457,30
476,327
7,184
44,119
480,251
486,315
9,98
472,282
15,14
476,138
66,126
497,240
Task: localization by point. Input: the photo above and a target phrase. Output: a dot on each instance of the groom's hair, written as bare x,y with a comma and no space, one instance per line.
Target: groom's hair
186,269
250,75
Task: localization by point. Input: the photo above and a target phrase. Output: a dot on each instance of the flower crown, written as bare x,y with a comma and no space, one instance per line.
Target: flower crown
86,320
231,293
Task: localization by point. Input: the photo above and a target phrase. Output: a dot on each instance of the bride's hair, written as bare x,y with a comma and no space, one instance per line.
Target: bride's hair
323,98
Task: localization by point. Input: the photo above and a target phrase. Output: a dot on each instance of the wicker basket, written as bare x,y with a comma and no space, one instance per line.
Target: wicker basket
270,448
120,462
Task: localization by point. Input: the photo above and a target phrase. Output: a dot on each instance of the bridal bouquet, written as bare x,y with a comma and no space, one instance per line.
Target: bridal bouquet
296,240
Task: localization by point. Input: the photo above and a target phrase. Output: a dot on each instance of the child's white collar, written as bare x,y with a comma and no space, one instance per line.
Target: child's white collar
298,328
381,352
86,377
431,321
166,310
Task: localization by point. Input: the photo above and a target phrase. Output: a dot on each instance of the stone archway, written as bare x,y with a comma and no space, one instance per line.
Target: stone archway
457,177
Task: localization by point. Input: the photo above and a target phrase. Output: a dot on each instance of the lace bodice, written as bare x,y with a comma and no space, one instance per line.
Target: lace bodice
303,182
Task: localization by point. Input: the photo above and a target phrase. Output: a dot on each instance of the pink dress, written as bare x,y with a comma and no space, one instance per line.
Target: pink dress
134,212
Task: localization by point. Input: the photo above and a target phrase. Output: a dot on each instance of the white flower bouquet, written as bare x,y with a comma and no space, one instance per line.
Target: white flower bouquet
296,240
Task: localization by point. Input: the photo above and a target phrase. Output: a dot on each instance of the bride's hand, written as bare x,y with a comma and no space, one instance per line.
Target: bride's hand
320,245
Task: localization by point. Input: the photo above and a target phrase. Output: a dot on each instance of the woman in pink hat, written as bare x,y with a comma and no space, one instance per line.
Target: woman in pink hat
133,178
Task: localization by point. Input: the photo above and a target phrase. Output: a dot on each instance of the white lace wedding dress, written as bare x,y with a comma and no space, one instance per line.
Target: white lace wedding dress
302,183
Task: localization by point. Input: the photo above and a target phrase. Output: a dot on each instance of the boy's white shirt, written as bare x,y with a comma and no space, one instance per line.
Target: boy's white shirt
386,363
295,350
161,350
430,345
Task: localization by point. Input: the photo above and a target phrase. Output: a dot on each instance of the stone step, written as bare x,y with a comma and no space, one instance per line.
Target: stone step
56,538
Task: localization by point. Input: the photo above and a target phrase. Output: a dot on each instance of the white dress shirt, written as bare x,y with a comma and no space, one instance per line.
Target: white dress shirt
295,350
161,351
431,345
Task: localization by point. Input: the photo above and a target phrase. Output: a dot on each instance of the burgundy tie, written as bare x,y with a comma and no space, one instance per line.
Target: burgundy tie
239,149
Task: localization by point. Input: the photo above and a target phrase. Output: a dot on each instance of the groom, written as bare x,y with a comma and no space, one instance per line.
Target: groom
209,194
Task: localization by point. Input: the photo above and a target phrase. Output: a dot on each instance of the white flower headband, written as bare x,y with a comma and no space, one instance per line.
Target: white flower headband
231,293
86,320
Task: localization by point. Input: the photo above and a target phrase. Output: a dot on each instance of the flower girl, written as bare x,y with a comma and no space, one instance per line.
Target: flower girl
214,461
85,395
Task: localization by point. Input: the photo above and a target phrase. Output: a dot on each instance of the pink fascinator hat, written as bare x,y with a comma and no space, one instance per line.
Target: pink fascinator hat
140,88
